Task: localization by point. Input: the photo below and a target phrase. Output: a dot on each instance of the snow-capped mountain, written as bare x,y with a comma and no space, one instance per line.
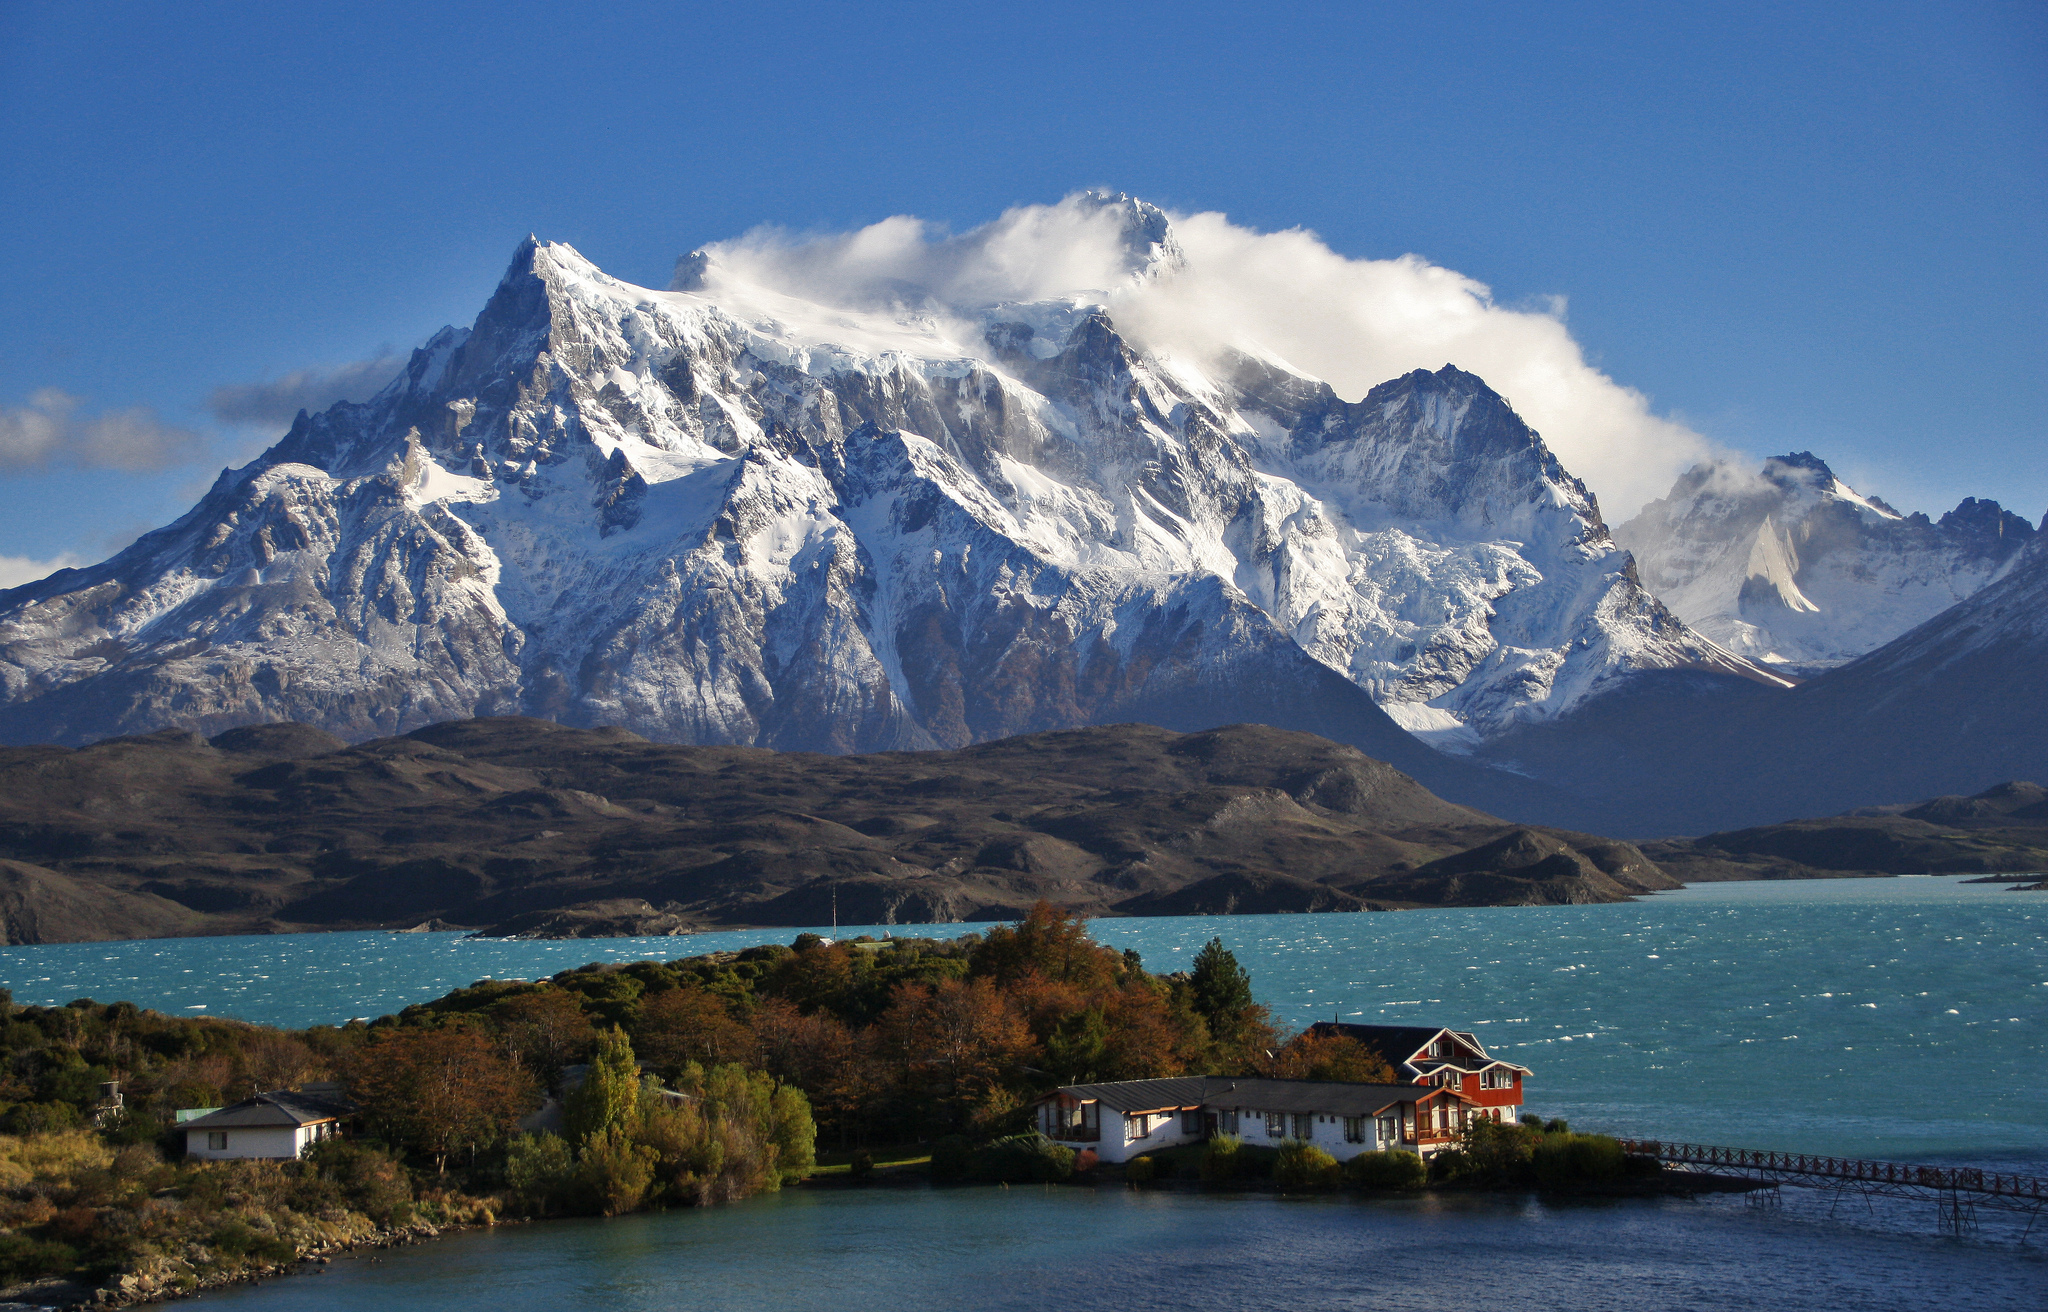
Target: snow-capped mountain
1951,707
720,514
1792,567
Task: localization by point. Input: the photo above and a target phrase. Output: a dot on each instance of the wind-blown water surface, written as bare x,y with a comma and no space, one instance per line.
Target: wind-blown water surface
1899,1018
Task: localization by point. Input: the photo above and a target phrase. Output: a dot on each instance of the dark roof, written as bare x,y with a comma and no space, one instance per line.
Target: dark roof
282,1108
1393,1044
1143,1095
1329,1097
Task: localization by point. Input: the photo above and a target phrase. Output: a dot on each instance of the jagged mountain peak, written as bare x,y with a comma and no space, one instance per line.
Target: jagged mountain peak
1791,566
725,513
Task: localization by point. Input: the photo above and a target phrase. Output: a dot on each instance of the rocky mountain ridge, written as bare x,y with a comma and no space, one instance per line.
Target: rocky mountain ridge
1792,567
716,515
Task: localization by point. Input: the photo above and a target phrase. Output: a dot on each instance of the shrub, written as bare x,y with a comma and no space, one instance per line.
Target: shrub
539,1168
1223,1159
39,1118
1452,1164
1021,1159
862,1166
1393,1169
369,1178
614,1172
22,1258
1302,1165
1562,1160
949,1157
1497,1153
1139,1170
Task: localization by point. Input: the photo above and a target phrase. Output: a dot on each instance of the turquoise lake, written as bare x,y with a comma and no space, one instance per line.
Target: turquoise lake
1896,1018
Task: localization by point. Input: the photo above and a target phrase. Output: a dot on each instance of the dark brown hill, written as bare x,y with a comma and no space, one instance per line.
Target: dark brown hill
546,829
2002,829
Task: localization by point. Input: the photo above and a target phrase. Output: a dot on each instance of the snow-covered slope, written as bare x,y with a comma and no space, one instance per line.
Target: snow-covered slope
716,514
1791,566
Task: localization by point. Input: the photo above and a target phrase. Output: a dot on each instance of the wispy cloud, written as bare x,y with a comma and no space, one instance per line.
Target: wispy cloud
17,570
277,403
1353,323
50,431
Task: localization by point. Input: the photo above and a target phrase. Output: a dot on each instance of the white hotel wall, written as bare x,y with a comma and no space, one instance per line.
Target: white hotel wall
1326,1133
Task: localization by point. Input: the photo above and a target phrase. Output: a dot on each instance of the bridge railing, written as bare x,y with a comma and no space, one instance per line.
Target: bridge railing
1966,1178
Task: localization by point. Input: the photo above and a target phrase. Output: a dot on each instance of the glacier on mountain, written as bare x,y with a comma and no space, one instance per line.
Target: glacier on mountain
1792,567
723,514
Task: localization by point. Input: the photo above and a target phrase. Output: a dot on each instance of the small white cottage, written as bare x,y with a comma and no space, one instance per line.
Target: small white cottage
1129,1118
280,1125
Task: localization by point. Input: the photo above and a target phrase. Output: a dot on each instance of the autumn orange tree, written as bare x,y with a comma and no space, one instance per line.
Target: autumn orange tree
685,1024
960,1046
439,1091
1313,1056
543,1031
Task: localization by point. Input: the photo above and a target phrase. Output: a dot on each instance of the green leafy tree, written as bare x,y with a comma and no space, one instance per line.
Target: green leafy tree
610,1092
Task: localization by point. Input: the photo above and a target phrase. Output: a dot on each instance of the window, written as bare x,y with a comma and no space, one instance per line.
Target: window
1191,1122
1304,1126
1226,1120
1354,1129
1138,1127
1276,1125
216,1141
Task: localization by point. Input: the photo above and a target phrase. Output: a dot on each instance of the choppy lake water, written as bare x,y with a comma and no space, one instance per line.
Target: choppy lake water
1898,1018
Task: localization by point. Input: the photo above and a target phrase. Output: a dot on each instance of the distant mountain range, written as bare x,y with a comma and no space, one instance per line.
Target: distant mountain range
1792,568
719,515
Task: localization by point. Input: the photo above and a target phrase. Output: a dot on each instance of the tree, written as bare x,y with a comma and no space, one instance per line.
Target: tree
1313,1056
1222,987
958,1042
682,1025
439,1091
544,1030
610,1092
1050,941
1221,993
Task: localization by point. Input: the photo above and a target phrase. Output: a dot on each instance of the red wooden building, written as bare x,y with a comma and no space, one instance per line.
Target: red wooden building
1448,1059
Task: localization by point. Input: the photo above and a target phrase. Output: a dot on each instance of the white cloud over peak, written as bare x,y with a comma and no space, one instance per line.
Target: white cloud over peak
1213,287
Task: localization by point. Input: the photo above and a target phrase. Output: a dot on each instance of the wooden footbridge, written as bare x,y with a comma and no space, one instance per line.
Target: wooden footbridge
1957,1190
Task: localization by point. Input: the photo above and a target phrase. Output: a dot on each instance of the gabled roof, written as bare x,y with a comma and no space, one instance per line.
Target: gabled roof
1402,1045
1325,1097
274,1110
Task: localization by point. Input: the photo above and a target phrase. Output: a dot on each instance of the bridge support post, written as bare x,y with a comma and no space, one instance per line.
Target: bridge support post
1958,1214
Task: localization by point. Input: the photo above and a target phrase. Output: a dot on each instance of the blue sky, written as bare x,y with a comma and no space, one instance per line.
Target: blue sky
1794,227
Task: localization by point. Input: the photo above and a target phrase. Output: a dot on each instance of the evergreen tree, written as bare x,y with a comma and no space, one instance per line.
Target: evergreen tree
1223,989
610,1092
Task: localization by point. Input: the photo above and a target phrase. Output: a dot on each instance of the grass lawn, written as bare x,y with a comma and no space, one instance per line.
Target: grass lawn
841,1163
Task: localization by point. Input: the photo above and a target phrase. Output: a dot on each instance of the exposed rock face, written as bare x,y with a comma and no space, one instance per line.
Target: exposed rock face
1792,567
710,515
535,829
